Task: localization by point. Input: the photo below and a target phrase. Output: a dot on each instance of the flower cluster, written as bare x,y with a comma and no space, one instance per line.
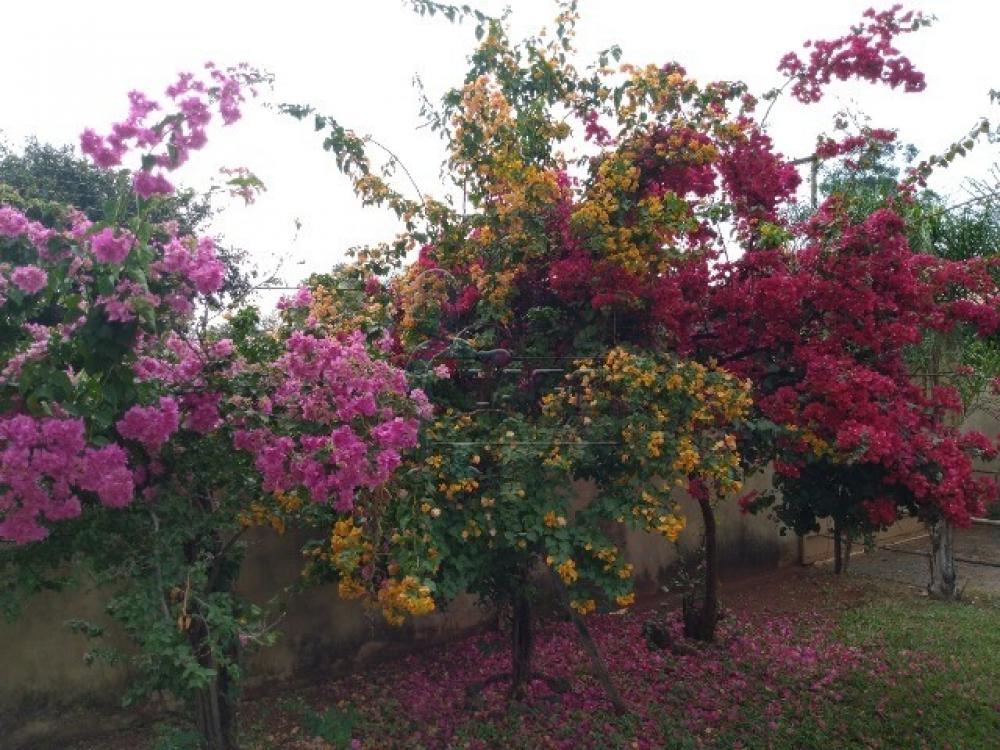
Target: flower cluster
167,143
151,426
29,279
406,596
338,421
14,224
108,248
827,148
44,464
866,53
194,262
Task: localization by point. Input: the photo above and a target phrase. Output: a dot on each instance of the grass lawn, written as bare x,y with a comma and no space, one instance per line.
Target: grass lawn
947,694
934,683
804,661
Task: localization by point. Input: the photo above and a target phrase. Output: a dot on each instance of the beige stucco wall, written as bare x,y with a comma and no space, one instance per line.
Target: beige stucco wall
45,684
48,692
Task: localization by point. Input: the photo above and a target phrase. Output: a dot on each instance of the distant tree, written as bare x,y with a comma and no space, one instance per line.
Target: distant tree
45,173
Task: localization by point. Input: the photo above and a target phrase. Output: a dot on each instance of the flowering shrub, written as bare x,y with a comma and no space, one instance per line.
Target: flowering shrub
567,250
110,395
490,315
842,313
110,398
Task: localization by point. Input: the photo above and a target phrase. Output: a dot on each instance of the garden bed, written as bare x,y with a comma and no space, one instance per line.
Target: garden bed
804,660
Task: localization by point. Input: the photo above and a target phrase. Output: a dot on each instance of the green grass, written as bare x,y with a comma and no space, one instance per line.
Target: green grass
954,703
940,690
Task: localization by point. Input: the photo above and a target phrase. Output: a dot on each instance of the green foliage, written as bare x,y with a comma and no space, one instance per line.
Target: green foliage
57,175
169,737
335,725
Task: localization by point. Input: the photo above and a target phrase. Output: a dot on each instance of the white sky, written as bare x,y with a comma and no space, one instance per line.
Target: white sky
68,65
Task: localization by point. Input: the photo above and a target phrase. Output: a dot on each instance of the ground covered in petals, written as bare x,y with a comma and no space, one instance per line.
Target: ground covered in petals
803,661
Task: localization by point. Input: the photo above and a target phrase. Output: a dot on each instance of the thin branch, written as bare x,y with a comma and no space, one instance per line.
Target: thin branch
217,558
774,100
158,568
402,166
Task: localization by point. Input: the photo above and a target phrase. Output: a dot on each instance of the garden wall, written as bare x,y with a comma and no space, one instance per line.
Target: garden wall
48,691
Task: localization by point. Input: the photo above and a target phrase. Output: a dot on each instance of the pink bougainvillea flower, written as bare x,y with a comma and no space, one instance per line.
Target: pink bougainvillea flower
151,425
29,279
110,249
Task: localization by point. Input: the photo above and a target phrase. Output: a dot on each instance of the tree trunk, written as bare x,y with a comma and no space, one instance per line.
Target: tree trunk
699,623
215,715
942,560
597,663
215,704
521,641
942,585
838,549
600,668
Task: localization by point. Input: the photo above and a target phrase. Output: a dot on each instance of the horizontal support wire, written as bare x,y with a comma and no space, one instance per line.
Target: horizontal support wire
516,443
958,558
537,371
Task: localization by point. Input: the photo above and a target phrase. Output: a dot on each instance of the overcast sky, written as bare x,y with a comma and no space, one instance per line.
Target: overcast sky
68,65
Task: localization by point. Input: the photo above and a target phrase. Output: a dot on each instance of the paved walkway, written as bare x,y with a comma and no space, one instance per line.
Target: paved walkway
977,552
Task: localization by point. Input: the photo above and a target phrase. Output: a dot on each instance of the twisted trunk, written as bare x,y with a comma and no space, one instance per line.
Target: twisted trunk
597,663
700,622
214,714
943,577
600,668
215,704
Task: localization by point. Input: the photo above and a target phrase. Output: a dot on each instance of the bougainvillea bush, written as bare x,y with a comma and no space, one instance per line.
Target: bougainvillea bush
136,441
114,465
627,270
620,289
